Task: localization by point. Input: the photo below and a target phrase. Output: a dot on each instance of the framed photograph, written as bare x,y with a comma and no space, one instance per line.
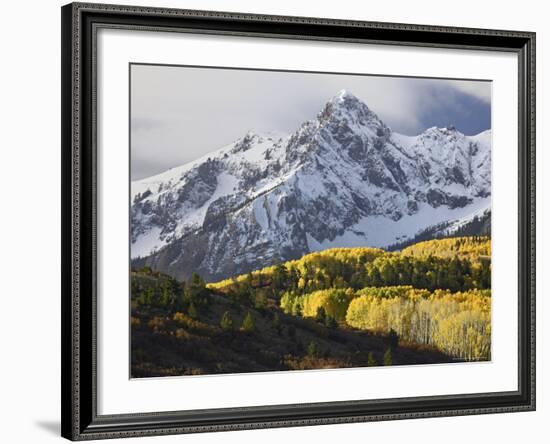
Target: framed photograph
278,221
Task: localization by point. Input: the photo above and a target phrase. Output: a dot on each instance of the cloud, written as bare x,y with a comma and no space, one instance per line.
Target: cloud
181,113
146,123
479,90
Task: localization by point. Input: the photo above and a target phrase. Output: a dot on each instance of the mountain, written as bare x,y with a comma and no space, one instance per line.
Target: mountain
342,179
476,224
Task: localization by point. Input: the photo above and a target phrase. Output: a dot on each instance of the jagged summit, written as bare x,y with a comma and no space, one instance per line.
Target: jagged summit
344,95
345,111
341,179
345,101
445,130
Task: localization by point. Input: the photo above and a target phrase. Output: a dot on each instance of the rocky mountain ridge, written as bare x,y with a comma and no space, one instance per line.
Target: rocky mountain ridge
341,179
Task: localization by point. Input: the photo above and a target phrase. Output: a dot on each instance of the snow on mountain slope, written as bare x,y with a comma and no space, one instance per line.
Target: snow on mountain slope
173,203
477,223
378,231
341,179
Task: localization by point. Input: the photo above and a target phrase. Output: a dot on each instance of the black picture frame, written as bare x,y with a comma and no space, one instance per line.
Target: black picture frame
80,420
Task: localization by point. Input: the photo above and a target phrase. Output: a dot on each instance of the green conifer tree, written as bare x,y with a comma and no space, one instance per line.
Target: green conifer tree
248,325
371,360
180,299
198,293
321,315
165,297
312,349
260,300
226,322
330,322
393,338
192,311
388,358
280,278
277,323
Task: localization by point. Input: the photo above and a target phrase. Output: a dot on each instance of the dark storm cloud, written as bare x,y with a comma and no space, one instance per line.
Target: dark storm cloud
469,114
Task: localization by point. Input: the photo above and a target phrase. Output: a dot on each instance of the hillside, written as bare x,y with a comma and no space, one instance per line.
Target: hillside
167,341
473,247
454,264
476,224
344,307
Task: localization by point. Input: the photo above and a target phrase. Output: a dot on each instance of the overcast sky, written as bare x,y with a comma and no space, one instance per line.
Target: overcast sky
181,113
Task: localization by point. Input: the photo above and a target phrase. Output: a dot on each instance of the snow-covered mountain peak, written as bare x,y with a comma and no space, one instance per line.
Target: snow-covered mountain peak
245,143
345,114
343,102
342,178
438,140
344,96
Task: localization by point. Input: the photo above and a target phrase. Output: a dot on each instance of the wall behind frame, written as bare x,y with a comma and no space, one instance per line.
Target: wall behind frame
30,222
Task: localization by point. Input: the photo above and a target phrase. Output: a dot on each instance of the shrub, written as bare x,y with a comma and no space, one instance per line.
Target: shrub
157,324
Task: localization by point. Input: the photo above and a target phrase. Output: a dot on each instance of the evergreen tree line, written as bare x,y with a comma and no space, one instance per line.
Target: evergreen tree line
162,291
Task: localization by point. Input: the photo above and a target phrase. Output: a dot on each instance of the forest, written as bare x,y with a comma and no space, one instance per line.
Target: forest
344,307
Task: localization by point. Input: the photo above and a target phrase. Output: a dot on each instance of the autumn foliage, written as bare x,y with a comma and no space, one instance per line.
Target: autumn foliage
342,307
456,323
435,293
